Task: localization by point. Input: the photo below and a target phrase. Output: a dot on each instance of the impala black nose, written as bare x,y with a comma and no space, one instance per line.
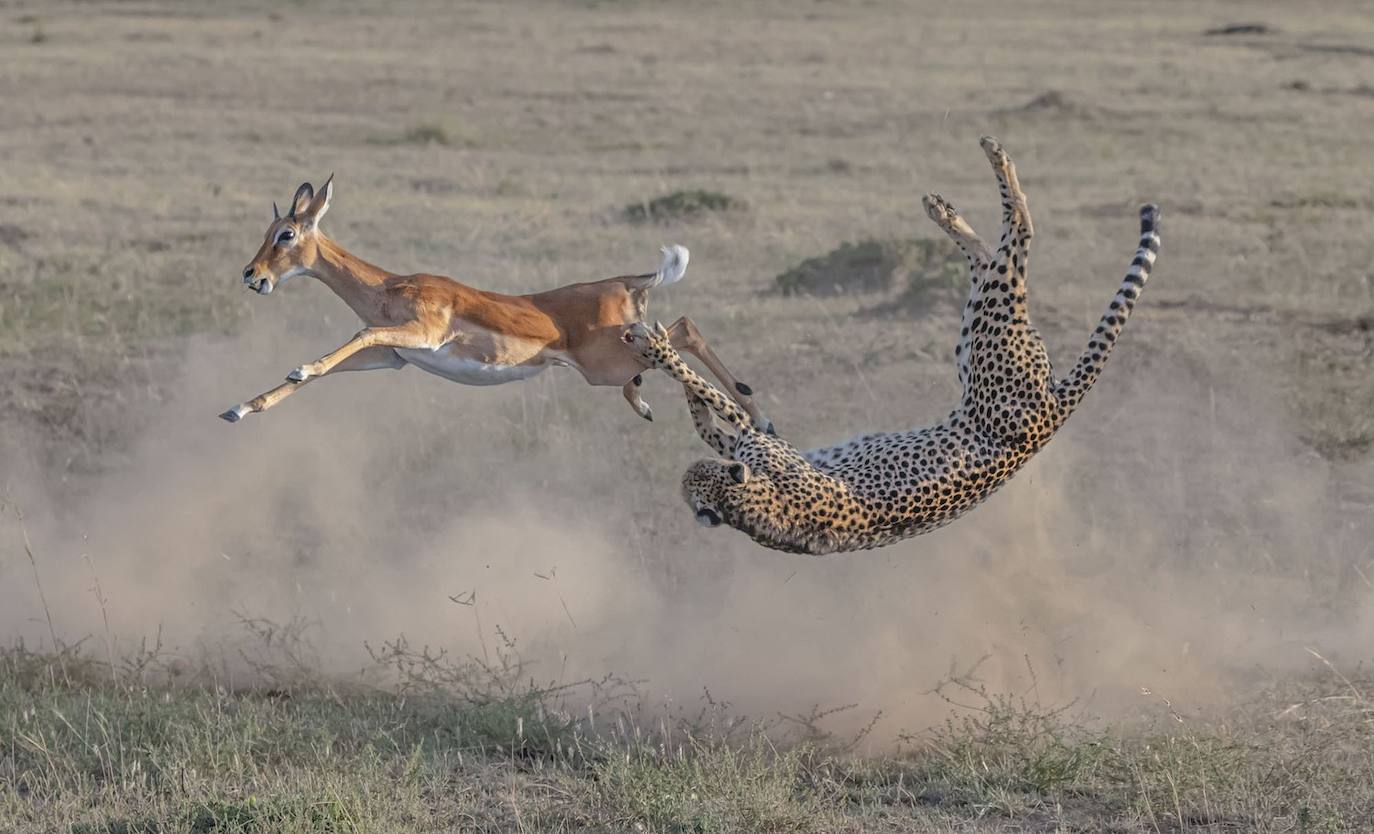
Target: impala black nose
247,274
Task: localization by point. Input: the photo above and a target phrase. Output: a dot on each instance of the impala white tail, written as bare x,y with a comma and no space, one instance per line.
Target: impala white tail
674,265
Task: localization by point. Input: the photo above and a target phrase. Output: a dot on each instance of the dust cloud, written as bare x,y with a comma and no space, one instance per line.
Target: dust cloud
1170,539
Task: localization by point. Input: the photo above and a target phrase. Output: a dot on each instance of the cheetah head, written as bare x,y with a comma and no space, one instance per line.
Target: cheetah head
652,343
716,489
729,492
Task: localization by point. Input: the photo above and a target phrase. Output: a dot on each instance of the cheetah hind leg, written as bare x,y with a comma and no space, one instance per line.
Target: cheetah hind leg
1000,340
979,257
1017,228
1006,277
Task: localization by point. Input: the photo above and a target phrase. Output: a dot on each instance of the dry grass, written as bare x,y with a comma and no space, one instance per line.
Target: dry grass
89,751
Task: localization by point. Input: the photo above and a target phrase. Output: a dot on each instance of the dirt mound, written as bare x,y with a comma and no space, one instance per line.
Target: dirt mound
917,266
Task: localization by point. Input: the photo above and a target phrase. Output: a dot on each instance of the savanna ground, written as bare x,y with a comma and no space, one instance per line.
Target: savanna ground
394,604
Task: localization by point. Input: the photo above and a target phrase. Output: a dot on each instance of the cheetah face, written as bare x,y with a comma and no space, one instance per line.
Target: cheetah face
651,343
714,489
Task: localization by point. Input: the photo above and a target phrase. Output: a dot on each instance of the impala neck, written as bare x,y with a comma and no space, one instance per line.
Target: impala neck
351,278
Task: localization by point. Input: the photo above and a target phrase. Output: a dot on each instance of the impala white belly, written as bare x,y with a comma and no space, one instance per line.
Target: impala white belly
466,370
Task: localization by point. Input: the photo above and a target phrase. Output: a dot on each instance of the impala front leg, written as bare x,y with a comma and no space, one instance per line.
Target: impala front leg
631,392
405,336
367,360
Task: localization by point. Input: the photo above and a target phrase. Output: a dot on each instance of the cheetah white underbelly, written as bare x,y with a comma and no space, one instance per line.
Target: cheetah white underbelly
464,370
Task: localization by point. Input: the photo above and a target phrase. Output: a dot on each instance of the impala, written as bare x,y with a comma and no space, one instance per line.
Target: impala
464,334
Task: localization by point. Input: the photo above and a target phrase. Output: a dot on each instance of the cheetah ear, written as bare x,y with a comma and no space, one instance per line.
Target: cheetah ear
739,472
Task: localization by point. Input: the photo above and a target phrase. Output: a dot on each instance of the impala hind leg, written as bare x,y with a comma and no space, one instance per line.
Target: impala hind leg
684,335
371,359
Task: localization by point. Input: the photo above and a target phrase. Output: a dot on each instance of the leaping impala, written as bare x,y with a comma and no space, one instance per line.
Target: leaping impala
464,334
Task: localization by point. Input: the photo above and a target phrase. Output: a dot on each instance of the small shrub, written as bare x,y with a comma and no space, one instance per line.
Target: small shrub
682,205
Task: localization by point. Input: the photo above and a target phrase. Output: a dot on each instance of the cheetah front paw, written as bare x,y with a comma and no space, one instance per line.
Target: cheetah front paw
939,209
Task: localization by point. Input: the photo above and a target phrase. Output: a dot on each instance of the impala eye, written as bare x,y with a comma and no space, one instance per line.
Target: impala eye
284,235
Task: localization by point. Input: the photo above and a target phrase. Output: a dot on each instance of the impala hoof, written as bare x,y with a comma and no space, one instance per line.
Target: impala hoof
298,375
234,414
646,412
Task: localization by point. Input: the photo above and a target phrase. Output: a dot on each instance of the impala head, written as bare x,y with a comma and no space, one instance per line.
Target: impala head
291,244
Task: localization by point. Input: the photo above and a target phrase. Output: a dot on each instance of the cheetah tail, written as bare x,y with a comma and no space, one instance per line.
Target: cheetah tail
672,269
1070,390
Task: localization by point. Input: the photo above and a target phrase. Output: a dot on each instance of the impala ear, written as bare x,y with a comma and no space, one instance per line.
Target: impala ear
314,212
739,472
304,195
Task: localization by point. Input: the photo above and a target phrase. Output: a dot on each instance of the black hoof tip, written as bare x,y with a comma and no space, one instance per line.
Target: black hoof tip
648,415
744,389
230,416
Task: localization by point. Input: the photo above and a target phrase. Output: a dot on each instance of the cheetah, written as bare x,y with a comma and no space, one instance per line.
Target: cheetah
881,488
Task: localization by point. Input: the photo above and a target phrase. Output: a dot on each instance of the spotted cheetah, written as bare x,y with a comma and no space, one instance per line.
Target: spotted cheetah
881,488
